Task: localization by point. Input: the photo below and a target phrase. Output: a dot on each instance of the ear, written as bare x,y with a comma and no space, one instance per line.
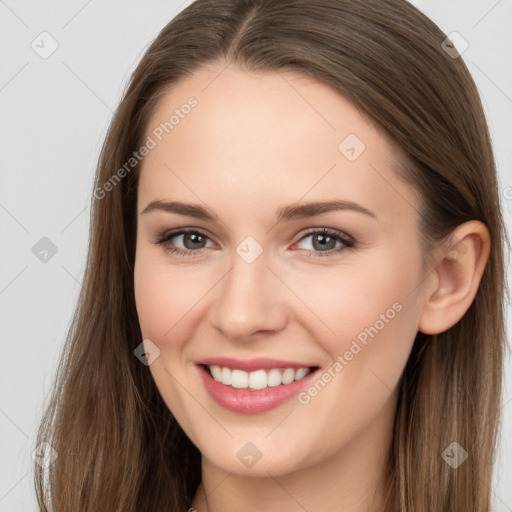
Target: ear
452,285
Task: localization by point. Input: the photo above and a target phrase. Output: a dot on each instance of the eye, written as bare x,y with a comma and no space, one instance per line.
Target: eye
323,242
192,239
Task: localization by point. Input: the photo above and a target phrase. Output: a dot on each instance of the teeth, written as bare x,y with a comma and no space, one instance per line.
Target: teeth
239,379
259,379
274,377
288,376
226,376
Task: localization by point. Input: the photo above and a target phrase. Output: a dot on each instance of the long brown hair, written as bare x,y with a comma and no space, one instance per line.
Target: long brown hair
119,447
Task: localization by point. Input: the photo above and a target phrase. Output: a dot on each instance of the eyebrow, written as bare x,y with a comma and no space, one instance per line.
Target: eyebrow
285,213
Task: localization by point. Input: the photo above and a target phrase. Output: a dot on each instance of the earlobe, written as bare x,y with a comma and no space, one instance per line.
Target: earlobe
453,283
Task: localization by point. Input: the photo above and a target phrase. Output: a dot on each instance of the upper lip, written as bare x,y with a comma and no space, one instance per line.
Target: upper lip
249,365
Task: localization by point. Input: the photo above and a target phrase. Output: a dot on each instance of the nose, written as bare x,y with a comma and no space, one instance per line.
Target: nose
250,300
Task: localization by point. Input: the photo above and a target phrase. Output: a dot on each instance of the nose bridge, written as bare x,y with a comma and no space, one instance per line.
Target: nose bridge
249,299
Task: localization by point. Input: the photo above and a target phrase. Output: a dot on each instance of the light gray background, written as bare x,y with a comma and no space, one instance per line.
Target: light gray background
54,113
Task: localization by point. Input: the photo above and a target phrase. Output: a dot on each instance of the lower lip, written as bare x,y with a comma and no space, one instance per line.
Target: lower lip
252,402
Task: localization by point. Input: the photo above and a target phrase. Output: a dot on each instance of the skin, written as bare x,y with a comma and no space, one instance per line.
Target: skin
255,143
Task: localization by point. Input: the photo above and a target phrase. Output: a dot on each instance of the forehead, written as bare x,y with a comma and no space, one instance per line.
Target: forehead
280,136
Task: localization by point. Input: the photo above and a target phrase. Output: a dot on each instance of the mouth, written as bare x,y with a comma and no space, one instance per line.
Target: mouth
258,379
255,389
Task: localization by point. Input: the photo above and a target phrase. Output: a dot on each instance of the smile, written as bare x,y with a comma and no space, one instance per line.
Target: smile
259,379
253,390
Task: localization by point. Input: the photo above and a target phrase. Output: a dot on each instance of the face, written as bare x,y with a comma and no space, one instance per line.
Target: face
262,288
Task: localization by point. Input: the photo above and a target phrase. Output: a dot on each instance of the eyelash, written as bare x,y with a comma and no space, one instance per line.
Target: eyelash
348,242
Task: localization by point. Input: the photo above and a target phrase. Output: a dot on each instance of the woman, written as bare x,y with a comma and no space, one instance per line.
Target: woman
220,358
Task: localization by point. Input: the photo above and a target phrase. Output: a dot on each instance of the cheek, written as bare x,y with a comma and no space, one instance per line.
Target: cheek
336,304
151,299
170,301
370,318
161,299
